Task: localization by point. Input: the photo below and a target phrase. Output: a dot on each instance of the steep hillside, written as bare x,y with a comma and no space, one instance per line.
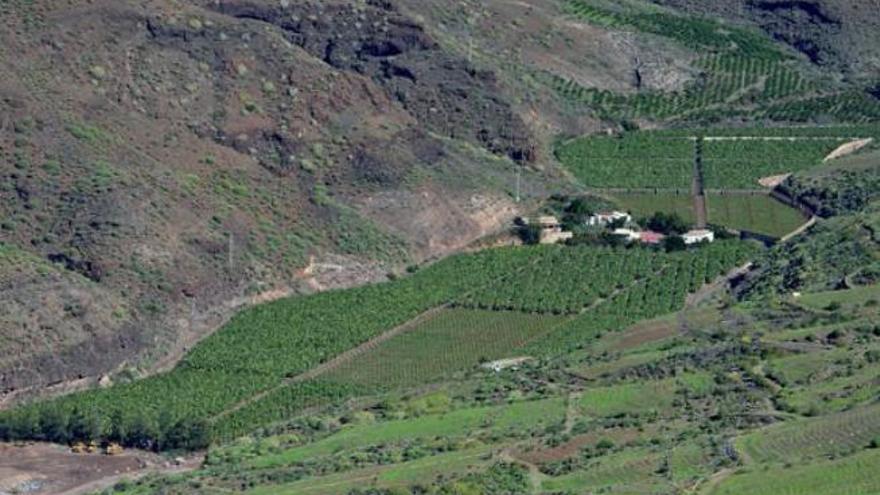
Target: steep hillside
164,163
842,35
167,162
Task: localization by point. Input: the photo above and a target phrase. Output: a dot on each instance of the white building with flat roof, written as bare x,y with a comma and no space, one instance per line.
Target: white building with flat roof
604,218
698,236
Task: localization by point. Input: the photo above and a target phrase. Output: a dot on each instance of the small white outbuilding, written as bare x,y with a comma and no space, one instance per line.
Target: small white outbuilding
698,236
603,218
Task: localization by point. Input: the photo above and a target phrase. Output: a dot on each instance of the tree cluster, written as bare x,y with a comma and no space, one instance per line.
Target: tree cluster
138,430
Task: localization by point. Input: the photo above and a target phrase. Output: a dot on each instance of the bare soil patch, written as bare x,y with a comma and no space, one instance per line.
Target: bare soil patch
46,469
773,180
848,148
573,446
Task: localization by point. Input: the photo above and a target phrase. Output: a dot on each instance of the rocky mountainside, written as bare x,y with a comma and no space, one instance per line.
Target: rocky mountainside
842,35
166,162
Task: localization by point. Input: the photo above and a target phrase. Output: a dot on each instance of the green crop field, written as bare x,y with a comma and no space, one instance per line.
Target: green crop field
634,468
854,475
740,65
385,477
636,160
237,379
461,423
642,398
859,295
740,164
661,162
754,213
464,337
646,204
800,368
836,392
833,434
650,297
740,68
568,280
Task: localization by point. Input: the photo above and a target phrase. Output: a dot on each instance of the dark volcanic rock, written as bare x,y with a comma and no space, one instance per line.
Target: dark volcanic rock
445,93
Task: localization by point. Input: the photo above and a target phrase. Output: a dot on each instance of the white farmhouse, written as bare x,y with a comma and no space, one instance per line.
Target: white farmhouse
698,236
551,229
631,235
604,218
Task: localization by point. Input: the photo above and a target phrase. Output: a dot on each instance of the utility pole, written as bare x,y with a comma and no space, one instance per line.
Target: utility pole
230,250
518,172
516,162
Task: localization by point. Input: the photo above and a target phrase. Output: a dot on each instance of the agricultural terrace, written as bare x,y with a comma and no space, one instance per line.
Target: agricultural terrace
631,161
518,418
389,477
468,336
639,419
744,75
741,163
450,340
645,204
814,438
838,391
853,475
731,158
244,376
652,171
756,212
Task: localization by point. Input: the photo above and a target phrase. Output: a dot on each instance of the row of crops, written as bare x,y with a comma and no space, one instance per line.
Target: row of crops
421,355
742,75
568,280
635,160
664,159
848,106
264,346
655,295
776,96
740,164
694,32
797,131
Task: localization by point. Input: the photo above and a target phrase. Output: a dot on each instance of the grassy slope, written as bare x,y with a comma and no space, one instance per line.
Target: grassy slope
632,426
854,475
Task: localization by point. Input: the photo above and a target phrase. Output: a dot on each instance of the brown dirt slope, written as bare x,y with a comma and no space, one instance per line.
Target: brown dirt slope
161,160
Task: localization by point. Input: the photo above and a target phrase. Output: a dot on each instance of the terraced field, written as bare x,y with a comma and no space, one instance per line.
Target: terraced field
750,212
836,392
635,160
634,469
793,441
642,398
854,475
754,213
452,340
645,204
388,477
522,416
740,164
249,373
858,296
